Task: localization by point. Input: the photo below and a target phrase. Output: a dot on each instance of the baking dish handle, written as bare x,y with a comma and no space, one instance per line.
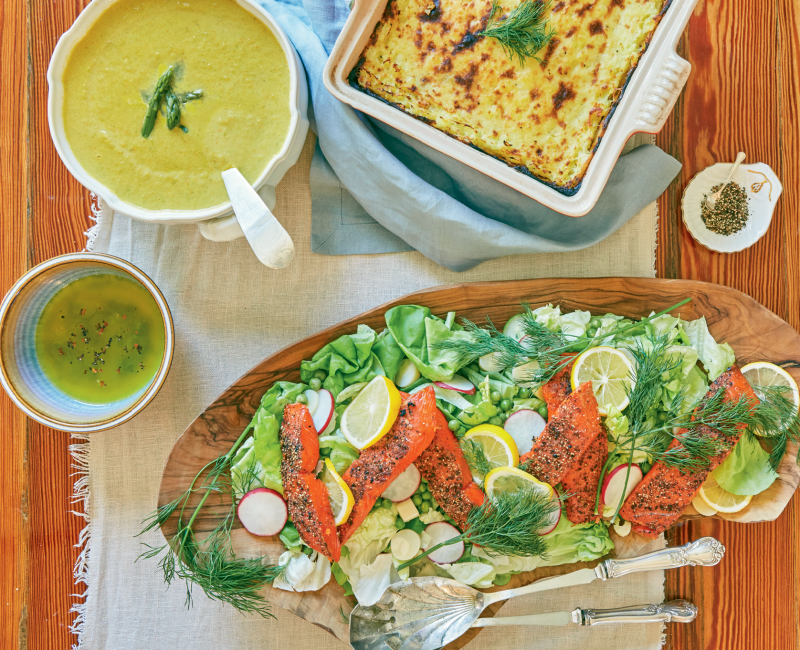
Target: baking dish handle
662,93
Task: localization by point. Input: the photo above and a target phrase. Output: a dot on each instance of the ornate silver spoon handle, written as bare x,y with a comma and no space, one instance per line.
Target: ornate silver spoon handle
676,611
705,551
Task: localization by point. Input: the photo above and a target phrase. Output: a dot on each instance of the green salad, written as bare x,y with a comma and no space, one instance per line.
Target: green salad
659,395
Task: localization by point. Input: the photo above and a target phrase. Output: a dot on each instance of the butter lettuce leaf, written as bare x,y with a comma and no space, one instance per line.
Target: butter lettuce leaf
716,357
347,360
746,470
419,333
570,542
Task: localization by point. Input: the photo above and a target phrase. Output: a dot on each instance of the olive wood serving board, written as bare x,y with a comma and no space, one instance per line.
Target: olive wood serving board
755,333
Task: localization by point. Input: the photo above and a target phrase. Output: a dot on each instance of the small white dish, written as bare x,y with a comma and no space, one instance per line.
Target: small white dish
763,190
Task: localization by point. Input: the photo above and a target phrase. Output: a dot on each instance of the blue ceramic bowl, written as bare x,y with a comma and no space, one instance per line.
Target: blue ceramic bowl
20,373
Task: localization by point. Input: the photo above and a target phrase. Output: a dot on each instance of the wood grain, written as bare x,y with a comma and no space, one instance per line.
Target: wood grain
754,332
747,96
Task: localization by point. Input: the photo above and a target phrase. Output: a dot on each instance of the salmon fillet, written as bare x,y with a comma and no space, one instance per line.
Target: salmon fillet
569,432
449,478
581,481
379,465
306,496
558,388
663,494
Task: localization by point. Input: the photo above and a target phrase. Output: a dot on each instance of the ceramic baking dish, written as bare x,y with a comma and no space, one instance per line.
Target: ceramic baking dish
646,103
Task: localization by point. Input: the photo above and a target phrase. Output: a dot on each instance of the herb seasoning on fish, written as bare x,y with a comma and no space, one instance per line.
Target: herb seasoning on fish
730,213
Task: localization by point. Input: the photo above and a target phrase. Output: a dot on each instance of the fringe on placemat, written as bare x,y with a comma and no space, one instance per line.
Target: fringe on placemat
99,213
81,495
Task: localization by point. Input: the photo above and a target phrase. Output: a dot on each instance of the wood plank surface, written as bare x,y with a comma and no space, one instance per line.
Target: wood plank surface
742,94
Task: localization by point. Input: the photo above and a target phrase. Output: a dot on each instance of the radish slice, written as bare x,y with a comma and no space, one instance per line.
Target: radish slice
524,426
446,395
490,362
615,480
331,426
405,544
323,413
404,486
262,512
458,384
441,531
623,529
513,328
407,374
555,518
313,400
522,374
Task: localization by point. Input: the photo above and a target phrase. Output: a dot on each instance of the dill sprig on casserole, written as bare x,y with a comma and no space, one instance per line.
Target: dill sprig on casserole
543,117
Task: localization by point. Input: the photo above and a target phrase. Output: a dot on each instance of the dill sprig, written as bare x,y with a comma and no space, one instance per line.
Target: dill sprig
483,341
777,421
522,32
539,344
211,563
505,524
549,348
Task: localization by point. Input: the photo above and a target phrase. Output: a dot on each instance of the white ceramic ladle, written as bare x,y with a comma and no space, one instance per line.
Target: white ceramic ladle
267,237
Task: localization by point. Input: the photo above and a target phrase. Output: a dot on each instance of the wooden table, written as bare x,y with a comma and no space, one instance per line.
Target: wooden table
742,94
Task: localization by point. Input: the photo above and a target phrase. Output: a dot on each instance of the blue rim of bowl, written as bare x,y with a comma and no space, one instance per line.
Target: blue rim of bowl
163,370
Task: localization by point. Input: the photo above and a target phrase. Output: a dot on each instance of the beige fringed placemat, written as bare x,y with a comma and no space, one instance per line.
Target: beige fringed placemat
229,313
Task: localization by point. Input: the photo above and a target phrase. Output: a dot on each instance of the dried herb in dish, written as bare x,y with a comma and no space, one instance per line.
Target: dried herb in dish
731,211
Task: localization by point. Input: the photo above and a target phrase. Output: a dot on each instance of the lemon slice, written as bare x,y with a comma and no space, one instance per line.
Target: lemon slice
719,499
763,374
512,479
371,413
498,447
610,372
339,493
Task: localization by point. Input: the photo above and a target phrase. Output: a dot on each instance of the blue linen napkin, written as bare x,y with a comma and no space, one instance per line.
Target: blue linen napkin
377,190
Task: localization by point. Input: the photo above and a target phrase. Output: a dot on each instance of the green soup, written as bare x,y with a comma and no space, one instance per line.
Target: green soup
214,46
101,338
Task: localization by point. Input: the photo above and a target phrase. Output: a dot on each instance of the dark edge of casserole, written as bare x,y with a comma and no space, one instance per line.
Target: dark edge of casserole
569,190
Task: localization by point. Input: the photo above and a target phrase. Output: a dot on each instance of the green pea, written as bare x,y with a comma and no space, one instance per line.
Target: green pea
399,523
496,421
315,383
594,324
662,416
495,396
453,425
387,503
427,496
434,504
321,375
543,411
525,393
417,499
591,333
301,399
307,550
506,404
425,506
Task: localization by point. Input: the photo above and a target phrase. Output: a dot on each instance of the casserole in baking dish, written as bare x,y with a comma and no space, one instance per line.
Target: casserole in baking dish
542,117
650,86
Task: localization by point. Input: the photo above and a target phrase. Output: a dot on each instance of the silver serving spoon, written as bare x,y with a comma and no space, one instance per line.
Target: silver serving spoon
427,613
267,237
711,200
